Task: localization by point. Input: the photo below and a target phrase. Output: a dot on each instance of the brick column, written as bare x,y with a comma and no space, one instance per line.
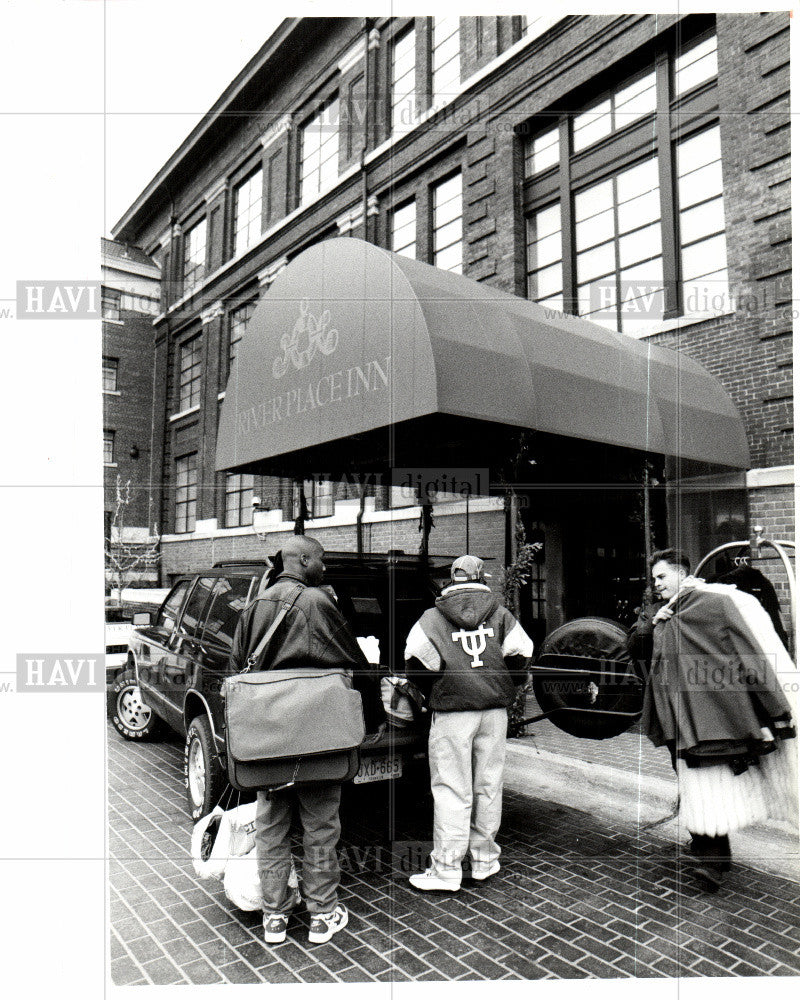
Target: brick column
275,165
215,213
212,320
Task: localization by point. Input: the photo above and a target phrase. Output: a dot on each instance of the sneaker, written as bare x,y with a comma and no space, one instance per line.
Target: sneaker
481,874
325,925
275,923
429,881
275,927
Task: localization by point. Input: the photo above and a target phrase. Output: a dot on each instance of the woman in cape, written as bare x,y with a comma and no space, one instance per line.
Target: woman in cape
715,699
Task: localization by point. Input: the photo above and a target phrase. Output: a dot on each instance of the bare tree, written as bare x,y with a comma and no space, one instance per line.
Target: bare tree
125,558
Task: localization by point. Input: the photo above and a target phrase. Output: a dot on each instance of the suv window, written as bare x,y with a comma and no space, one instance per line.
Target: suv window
227,603
196,604
172,606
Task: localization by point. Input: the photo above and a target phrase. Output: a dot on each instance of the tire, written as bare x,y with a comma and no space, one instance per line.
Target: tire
203,777
598,645
132,717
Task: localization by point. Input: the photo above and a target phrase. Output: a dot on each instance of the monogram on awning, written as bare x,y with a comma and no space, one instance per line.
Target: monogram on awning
356,356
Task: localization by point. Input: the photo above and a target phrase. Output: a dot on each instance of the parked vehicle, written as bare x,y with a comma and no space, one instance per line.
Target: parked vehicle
178,659
119,627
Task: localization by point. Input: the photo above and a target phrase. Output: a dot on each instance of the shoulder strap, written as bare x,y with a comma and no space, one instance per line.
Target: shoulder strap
258,652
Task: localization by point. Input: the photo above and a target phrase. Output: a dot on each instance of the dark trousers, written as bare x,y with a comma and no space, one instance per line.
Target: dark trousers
319,815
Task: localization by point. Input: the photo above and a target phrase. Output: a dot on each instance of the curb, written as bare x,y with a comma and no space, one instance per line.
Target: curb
635,801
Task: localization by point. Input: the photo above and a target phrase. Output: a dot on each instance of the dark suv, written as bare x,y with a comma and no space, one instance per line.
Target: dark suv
177,662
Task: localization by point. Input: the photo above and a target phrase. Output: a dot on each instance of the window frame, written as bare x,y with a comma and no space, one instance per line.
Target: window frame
432,228
109,437
108,295
195,380
111,365
243,509
200,268
676,119
246,173
316,109
190,501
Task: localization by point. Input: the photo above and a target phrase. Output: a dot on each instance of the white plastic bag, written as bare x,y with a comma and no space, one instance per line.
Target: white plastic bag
230,834
241,882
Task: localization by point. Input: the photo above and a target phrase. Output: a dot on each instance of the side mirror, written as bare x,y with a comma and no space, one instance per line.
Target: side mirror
141,618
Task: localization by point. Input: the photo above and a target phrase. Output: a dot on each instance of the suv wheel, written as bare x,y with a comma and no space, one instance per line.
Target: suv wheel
132,716
203,777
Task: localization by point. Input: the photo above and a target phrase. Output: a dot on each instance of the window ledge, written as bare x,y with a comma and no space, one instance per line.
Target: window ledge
678,323
114,322
110,465
111,392
185,413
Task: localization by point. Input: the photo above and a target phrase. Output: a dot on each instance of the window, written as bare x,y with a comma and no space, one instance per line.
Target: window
185,493
108,447
239,318
403,56
642,236
238,500
227,603
168,615
319,151
622,107
194,256
318,495
447,229
193,613
704,256
695,65
111,303
190,373
247,198
544,257
620,278
445,58
404,230
110,372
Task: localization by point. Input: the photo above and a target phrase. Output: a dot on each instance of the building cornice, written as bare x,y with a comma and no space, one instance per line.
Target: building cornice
213,312
352,57
275,130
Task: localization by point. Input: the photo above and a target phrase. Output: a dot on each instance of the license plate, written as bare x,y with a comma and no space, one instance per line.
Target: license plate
379,769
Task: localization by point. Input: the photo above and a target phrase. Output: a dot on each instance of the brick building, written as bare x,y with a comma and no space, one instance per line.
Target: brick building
632,169
130,297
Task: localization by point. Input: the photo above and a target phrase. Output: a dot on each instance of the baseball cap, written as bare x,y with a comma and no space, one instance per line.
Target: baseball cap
467,569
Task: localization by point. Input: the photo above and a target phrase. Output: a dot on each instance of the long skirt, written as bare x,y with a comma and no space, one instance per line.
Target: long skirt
714,801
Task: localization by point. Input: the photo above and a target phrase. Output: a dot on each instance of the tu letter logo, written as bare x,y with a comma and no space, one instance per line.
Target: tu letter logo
474,642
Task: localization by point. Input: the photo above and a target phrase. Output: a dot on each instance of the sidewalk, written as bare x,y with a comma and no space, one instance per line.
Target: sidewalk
629,781
578,897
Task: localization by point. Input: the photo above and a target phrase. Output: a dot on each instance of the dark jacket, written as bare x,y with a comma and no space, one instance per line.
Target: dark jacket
446,643
712,687
314,632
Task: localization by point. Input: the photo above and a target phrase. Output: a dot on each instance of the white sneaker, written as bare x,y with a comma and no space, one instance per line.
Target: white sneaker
429,881
479,874
325,925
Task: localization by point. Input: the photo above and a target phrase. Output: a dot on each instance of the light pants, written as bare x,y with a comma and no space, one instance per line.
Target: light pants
319,816
467,752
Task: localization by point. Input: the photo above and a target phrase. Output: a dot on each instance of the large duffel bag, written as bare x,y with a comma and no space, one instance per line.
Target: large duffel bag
290,727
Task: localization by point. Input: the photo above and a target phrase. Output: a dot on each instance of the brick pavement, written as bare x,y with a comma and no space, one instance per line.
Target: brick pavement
574,900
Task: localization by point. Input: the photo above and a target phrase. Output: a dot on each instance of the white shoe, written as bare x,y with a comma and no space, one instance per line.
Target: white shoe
480,874
325,925
429,881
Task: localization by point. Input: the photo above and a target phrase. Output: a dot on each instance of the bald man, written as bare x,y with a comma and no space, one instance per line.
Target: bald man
313,634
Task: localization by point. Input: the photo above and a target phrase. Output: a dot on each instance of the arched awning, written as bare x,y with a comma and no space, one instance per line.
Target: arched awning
353,344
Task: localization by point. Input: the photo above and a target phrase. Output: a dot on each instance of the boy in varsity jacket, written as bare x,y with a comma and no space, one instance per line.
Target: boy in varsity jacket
476,653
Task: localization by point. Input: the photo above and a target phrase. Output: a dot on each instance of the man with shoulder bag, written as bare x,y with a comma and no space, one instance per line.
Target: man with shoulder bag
311,633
